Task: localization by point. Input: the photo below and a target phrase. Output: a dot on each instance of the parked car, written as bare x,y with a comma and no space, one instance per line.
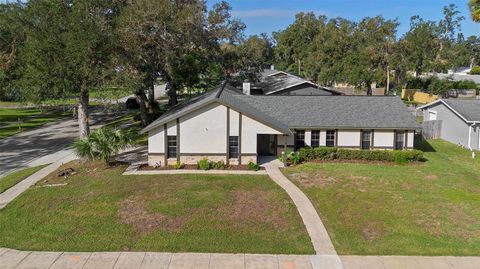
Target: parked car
132,103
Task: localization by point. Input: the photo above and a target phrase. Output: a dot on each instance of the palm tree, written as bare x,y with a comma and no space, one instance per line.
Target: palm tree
104,143
475,9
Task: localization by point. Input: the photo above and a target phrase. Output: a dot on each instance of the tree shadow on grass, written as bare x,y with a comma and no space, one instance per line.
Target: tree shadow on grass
423,145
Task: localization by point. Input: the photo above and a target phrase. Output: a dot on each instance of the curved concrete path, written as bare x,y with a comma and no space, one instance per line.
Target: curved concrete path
315,228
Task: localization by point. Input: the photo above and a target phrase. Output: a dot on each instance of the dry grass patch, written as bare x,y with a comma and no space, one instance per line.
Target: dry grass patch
255,206
134,213
314,180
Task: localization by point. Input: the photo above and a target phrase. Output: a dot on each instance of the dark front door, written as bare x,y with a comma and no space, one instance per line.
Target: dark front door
266,145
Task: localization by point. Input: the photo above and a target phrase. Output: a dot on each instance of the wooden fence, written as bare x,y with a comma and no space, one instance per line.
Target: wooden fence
431,129
417,96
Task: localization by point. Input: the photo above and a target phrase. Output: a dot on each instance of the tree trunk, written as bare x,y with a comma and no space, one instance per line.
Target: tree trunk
142,100
83,124
172,93
472,62
369,89
152,103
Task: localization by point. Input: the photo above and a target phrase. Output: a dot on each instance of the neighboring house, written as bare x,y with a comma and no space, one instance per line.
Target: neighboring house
225,125
463,70
460,120
459,77
274,82
159,91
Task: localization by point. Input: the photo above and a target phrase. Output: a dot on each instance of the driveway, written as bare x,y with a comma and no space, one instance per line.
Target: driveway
20,150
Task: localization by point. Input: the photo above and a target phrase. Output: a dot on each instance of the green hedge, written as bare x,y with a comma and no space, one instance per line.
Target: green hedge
475,70
330,153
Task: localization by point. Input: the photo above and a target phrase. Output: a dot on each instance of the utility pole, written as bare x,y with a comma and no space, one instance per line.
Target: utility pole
388,81
299,64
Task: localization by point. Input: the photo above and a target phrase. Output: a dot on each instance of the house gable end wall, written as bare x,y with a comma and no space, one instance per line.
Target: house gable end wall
454,128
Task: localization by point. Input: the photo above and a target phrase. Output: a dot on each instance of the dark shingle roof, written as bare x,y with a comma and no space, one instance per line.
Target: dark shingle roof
288,112
273,84
268,72
334,111
469,109
457,77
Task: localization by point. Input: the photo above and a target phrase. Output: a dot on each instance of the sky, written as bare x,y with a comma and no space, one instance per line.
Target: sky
266,16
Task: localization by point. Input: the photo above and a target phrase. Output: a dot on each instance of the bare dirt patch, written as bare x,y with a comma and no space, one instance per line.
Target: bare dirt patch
352,177
409,186
431,223
316,180
133,212
81,168
465,223
457,222
372,231
431,177
254,206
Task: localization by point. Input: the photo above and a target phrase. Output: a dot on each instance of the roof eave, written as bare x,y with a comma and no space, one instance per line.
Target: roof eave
154,124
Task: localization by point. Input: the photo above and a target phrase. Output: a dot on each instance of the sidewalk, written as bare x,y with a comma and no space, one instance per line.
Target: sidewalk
59,159
14,259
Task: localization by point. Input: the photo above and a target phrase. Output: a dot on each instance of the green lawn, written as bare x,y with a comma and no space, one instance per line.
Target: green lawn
423,209
12,179
101,210
29,118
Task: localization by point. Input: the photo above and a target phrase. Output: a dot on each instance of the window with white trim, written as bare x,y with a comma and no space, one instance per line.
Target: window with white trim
330,138
399,140
300,139
233,147
366,139
315,141
171,146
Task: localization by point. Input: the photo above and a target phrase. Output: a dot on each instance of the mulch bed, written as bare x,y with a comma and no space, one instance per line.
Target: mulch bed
145,167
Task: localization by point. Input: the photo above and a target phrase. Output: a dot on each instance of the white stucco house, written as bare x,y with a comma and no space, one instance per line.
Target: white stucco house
459,120
227,125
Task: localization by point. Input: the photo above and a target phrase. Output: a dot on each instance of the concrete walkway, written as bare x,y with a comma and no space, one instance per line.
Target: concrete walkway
14,259
315,228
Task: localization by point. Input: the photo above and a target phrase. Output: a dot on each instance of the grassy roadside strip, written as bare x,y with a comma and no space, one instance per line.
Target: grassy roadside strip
12,179
29,118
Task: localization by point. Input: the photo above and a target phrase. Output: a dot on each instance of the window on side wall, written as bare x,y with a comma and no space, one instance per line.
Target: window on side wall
315,138
330,138
171,146
366,139
300,139
399,140
233,147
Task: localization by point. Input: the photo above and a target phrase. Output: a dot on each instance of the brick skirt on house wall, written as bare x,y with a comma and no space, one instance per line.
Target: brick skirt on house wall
158,159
